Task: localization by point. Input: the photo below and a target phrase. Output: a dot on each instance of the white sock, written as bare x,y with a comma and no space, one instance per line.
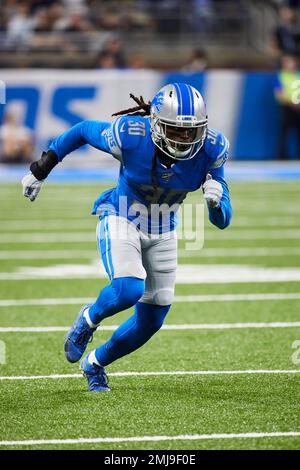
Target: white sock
92,358
88,320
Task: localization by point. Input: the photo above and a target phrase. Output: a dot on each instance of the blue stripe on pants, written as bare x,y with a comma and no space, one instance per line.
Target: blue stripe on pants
104,245
111,266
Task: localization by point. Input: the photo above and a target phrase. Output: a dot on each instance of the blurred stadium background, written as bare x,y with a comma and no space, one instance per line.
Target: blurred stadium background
64,61
237,300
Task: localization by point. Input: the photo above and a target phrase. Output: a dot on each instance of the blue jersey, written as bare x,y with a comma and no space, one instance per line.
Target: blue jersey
129,140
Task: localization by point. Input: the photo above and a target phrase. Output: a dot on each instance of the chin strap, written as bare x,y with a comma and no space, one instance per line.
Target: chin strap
153,169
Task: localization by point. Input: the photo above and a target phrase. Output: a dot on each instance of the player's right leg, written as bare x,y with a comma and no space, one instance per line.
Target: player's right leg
119,245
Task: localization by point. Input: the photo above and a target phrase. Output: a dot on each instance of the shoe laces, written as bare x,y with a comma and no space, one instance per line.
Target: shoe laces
102,376
84,335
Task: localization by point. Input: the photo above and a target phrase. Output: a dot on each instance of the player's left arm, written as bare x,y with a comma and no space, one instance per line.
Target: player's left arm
215,188
217,196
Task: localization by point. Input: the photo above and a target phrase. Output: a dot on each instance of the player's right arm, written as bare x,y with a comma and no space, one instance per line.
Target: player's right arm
104,136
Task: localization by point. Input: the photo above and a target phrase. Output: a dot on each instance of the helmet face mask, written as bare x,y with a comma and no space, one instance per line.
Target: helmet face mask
178,136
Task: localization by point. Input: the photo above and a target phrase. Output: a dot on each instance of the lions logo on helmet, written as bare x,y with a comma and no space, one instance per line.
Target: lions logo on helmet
158,101
178,121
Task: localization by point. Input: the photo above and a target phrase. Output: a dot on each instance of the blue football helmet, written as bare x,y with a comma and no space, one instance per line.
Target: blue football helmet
178,121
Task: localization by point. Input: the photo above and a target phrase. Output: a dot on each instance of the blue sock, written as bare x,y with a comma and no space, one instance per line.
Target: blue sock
122,293
133,333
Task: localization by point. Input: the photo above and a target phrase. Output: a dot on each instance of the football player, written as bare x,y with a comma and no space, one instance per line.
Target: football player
165,150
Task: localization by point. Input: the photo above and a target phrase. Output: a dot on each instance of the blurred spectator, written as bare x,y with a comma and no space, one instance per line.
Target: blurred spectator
108,15
42,21
3,21
37,4
114,48
136,61
42,36
166,16
286,94
198,61
20,24
76,5
202,13
55,11
105,61
292,3
74,23
75,29
16,141
285,37
78,28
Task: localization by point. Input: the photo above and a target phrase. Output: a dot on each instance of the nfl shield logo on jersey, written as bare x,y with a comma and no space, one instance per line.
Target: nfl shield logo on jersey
166,176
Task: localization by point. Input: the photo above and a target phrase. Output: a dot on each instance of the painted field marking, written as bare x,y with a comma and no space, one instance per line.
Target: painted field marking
205,253
182,437
54,222
50,254
71,224
186,273
197,326
159,373
89,236
238,252
177,298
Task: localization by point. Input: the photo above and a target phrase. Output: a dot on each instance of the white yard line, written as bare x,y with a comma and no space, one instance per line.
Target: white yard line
159,373
55,217
186,273
234,297
68,224
178,298
52,301
182,253
238,252
49,237
189,326
89,236
64,225
183,437
282,222
250,234
50,254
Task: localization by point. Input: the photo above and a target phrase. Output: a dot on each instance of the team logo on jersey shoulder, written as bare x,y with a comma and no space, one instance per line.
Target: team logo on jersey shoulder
109,137
223,156
220,160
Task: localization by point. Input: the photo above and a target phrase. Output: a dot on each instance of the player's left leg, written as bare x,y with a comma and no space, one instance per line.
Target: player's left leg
160,261
120,247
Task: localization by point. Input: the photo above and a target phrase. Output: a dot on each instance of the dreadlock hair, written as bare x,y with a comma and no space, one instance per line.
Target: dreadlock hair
136,111
143,109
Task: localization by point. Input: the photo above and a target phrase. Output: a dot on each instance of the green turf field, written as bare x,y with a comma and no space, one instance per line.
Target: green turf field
235,343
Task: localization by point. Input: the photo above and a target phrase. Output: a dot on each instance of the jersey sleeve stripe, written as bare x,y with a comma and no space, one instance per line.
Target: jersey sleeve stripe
225,149
116,133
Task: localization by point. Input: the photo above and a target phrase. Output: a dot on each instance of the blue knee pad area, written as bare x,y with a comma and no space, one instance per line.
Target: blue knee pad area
133,333
150,316
122,293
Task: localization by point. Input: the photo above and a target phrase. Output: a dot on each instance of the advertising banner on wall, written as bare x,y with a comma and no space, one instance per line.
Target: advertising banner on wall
241,105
